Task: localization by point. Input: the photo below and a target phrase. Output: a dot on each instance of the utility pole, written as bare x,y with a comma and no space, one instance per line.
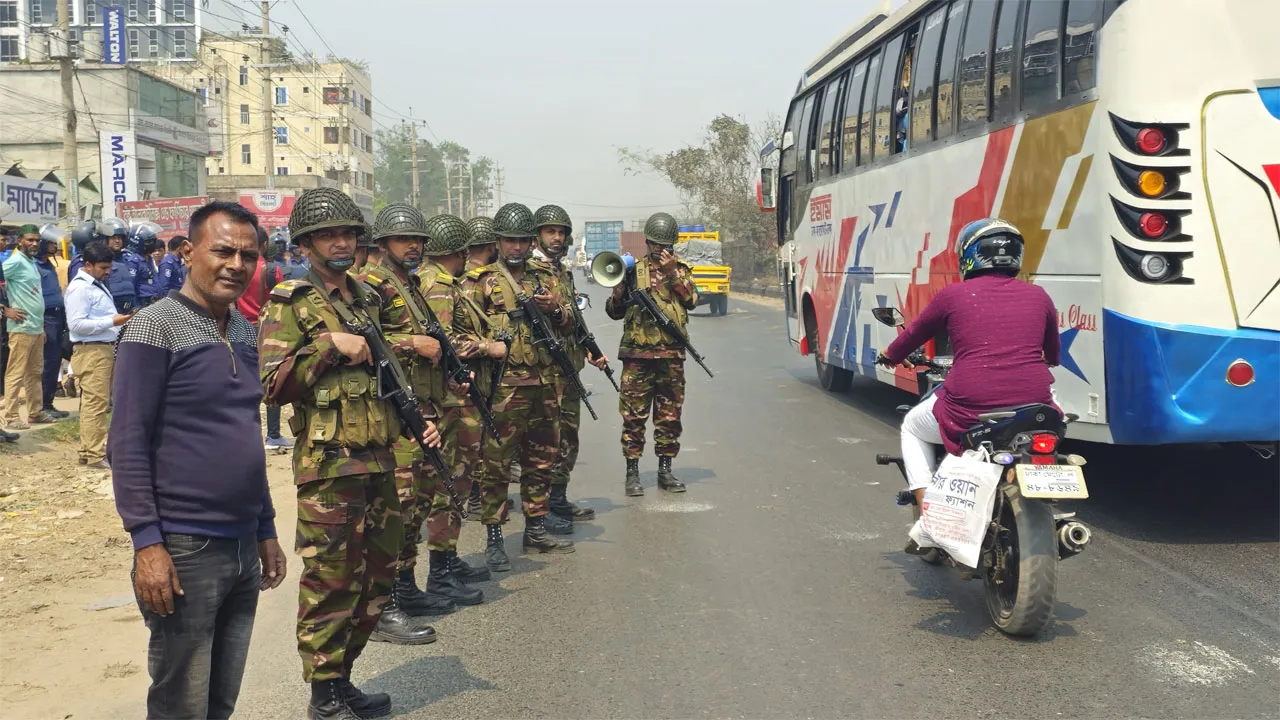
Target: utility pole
448,189
268,128
70,157
413,160
471,193
498,182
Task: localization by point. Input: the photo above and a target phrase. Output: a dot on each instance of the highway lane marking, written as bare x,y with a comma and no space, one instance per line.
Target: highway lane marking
677,507
1193,664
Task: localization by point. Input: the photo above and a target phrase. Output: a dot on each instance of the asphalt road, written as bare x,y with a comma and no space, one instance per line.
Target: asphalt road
777,587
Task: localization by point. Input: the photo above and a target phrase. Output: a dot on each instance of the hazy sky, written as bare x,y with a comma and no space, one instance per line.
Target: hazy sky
550,88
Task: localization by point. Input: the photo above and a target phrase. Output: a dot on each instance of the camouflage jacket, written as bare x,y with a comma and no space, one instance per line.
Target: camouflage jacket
341,426
642,339
490,291
569,296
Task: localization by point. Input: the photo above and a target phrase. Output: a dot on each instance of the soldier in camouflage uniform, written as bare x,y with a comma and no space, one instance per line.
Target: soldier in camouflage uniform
525,404
652,364
409,301
482,250
349,526
555,237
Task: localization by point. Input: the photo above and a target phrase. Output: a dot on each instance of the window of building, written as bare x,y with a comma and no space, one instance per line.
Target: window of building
9,14
133,44
282,171
865,129
826,152
133,9
153,43
282,95
244,114
8,49
368,107
1079,73
181,9
204,95
885,91
91,12
37,12
306,89
308,169
151,9
244,75
282,136
368,143
180,43
945,106
853,101
1003,102
221,170
245,156
923,88
975,93
331,136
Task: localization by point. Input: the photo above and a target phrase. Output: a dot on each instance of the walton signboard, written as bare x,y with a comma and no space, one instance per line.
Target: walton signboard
113,38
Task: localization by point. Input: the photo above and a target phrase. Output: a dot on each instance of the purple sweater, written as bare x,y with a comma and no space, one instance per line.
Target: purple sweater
185,442
1004,333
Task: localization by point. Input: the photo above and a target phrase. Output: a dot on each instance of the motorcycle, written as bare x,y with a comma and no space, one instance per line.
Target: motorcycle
1028,533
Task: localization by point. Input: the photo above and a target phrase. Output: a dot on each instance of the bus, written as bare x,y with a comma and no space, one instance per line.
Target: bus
1136,144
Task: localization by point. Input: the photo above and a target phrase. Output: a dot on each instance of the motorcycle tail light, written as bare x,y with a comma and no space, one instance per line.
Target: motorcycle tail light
1044,460
1044,443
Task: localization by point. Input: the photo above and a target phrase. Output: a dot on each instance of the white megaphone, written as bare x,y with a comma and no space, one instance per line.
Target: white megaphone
609,268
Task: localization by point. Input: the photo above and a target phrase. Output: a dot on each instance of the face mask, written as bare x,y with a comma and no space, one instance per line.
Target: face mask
514,260
340,265
406,264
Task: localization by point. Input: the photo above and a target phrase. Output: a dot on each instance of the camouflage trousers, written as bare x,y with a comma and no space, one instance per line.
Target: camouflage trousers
528,419
656,385
460,436
349,533
570,421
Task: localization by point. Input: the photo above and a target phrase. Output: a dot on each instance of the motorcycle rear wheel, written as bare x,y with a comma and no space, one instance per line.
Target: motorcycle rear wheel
1022,602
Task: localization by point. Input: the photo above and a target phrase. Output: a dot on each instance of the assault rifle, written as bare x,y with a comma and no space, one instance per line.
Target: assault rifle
499,369
454,369
394,387
587,340
543,334
666,324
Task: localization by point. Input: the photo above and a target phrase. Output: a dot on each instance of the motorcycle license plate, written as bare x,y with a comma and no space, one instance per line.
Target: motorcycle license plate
1052,482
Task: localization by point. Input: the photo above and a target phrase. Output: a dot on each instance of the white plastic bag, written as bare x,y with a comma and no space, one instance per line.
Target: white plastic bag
957,506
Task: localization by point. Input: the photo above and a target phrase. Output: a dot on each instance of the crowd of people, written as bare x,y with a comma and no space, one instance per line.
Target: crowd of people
231,324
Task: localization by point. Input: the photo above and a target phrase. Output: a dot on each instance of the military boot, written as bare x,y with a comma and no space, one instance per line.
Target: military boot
633,486
328,702
397,627
536,538
495,551
467,573
416,602
473,503
372,705
443,583
560,505
666,480
557,525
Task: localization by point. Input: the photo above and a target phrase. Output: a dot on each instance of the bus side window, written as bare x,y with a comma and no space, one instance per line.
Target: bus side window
946,105
868,105
853,100
1040,54
1004,103
885,91
974,91
827,141
787,160
804,141
902,92
1079,73
926,71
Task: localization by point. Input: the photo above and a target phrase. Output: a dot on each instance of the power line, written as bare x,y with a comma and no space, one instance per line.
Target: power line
590,205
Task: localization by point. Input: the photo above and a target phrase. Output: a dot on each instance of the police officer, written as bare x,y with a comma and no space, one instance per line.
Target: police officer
122,282
83,234
349,527
172,272
555,237
142,243
652,364
525,405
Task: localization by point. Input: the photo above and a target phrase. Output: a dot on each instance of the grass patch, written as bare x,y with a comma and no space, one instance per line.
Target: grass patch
64,431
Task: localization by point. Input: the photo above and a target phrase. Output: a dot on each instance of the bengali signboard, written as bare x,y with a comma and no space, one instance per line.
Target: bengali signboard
113,38
118,155
32,201
172,214
271,206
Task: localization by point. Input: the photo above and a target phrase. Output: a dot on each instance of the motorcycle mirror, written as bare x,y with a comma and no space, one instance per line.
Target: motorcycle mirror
583,301
888,316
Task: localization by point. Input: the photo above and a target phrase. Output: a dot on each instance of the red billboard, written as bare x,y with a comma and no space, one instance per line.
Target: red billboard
171,214
271,206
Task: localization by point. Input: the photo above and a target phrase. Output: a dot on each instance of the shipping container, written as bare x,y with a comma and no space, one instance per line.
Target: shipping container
633,242
599,236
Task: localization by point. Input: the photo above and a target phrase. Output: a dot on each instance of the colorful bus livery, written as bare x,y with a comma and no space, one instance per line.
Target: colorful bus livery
1148,194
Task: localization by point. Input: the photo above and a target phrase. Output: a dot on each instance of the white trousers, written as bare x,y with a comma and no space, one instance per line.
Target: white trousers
920,433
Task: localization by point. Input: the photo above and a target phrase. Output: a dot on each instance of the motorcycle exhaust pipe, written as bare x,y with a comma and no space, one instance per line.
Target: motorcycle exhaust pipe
1072,537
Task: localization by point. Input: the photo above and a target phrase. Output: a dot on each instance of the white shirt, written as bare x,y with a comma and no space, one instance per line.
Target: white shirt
91,312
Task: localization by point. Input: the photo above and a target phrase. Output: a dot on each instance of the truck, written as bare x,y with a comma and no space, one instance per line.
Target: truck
602,235
700,249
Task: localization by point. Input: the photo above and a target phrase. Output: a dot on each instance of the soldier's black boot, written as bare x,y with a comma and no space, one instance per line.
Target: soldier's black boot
666,480
372,705
536,538
467,573
473,503
633,487
443,583
328,702
560,505
557,525
415,602
395,626
495,551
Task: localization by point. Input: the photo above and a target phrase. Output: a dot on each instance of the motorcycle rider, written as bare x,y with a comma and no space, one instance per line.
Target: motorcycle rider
1004,337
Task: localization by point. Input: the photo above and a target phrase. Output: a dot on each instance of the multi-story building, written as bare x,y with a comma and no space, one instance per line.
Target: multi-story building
320,131
156,31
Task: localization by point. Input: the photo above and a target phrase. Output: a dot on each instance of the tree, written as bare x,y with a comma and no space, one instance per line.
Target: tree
717,181
393,175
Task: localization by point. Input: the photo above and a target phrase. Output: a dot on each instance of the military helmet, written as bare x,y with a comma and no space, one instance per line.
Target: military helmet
661,228
321,208
481,231
365,239
552,215
514,220
399,219
446,234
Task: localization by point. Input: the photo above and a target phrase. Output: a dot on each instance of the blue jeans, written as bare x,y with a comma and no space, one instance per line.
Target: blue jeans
54,325
273,421
196,656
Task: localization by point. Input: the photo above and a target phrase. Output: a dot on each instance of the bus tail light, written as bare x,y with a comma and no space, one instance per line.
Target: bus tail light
1151,183
1240,373
1164,268
1163,225
1150,140
1155,266
1153,224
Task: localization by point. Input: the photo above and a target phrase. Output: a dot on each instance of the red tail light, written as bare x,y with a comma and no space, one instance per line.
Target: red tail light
1150,140
1044,443
1043,460
1153,224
